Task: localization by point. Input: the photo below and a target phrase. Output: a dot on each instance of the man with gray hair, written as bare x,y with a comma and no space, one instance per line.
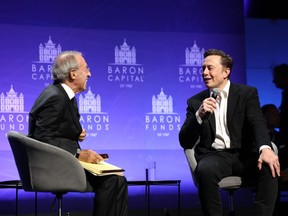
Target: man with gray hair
54,119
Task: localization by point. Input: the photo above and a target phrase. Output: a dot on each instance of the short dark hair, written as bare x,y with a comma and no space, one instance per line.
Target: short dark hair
226,60
281,70
267,107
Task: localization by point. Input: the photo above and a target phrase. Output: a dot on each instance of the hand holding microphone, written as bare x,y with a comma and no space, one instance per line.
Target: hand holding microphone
209,104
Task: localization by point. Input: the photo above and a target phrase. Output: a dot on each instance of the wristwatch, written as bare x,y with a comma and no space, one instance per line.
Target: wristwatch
77,153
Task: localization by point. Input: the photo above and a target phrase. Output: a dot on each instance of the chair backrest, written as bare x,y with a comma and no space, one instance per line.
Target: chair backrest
190,156
45,168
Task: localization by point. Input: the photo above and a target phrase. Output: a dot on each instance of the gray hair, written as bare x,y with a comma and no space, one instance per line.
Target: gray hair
63,64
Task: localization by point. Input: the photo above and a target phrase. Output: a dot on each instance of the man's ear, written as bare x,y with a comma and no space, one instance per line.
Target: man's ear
227,72
72,74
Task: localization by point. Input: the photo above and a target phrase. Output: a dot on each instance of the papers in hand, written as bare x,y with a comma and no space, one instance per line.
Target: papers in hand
102,168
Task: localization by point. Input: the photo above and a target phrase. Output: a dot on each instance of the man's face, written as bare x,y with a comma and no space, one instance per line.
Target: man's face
82,74
213,73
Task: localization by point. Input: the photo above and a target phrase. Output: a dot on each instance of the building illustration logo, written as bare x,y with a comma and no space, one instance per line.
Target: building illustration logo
125,54
12,113
89,103
191,71
42,69
91,116
162,103
49,52
125,71
163,120
11,102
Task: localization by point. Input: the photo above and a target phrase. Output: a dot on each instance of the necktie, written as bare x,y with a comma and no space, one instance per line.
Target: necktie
74,102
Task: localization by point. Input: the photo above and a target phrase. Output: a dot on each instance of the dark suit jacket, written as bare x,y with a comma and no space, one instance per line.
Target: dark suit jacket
284,117
53,119
245,122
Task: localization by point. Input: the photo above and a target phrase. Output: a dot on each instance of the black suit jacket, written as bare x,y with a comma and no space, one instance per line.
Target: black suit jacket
245,122
53,119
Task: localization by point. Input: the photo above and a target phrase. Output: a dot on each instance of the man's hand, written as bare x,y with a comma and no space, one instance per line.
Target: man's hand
82,135
269,157
208,105
90,156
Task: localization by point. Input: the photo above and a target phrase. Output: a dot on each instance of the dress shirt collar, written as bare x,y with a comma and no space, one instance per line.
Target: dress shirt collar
225,91
68,90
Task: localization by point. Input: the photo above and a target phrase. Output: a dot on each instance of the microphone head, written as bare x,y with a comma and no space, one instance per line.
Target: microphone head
215,92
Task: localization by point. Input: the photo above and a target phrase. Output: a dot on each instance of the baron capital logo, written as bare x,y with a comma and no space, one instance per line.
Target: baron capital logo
42,69
125,70
191,71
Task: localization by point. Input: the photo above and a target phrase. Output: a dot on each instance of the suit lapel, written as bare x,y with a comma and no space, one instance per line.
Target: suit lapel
72,112
231,104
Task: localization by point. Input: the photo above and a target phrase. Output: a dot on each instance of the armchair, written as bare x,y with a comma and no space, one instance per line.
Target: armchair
46,168
230,183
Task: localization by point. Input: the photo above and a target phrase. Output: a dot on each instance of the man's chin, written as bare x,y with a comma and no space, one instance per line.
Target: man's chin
207,85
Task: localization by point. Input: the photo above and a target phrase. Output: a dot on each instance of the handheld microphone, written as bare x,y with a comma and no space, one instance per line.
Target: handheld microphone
214,94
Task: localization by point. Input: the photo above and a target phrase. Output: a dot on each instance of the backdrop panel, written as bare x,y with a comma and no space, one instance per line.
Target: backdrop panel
135,102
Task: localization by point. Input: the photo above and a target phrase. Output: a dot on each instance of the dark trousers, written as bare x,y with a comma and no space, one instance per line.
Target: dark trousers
111,195
219,164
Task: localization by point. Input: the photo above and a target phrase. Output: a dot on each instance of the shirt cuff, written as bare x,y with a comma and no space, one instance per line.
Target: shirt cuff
77,153
263,147
199,120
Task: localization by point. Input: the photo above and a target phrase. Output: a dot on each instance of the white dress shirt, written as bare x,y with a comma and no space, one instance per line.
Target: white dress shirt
222,138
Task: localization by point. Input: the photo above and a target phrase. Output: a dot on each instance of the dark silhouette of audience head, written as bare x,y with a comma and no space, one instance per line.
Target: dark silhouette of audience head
280,76
272,116
280,79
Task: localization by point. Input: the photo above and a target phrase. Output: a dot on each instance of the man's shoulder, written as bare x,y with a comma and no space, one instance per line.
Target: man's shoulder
241,88
54,88
51,92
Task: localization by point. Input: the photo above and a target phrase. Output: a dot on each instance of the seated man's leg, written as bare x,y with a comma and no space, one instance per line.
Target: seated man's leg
266,192
266,187
111,195
209,171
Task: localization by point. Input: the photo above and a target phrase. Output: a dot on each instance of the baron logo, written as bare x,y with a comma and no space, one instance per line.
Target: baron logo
191,71
125,70
92,118
13,116
42,69
162,119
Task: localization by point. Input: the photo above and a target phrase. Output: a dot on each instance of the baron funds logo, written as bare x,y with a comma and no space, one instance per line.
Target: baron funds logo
92,118
13,116
162,120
